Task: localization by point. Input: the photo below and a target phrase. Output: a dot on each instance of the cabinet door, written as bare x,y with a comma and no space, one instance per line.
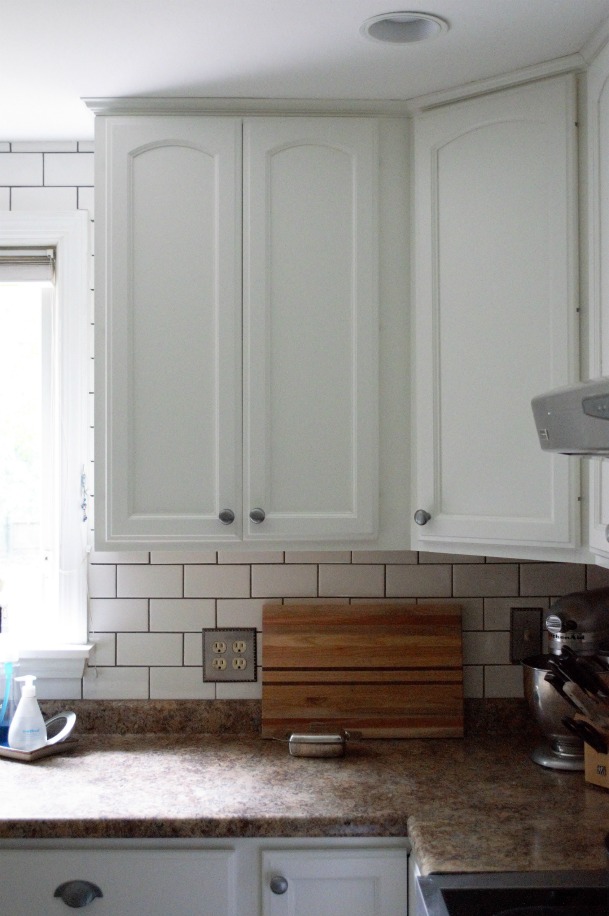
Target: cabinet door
132,882
311,327
495,319
334,882
598,278
168,330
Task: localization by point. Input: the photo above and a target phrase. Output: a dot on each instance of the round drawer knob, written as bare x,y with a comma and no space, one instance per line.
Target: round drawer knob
227,516
421,517
279,884
78,893
257,516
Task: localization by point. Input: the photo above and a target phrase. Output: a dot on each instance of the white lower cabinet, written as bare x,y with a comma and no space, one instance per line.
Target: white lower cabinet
339,882
244,877
117,882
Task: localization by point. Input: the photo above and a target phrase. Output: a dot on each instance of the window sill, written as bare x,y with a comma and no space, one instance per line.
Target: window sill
63,661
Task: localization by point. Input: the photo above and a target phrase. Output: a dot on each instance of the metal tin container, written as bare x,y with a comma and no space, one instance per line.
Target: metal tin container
317,745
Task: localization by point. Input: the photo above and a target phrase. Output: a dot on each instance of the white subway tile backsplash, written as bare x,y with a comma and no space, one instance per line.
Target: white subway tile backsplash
473,681
43,199
111,615
291,580
217,581
68,169
184,556
44,146
102,581
242,612
503,681
193,650
153,621
419,581
180,615
149,581
104,649
86,200
343,581
490,579
248,690
552,578
318,556
149,649
179,684
254,556
117,556
21,169
115,684
486,648
383,556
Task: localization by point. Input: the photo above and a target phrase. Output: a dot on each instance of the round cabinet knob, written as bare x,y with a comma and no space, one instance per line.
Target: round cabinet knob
279,884
421,517
78,893
257,516
227,516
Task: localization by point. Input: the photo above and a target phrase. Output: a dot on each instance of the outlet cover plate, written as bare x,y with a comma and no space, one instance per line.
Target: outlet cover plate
229,654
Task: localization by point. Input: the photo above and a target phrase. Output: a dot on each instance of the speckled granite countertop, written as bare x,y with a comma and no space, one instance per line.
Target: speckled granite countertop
477,804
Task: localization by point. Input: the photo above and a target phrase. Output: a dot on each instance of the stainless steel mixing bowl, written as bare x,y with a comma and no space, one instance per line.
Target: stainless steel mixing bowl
564,750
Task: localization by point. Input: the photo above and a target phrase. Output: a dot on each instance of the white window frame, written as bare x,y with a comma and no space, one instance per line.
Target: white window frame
68,233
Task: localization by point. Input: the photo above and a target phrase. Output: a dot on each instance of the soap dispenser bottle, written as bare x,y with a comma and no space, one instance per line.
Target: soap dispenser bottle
27,731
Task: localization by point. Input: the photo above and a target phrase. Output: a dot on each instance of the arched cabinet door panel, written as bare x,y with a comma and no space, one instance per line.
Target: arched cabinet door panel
495,308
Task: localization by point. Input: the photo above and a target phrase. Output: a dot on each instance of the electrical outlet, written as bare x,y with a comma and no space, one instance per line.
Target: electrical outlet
525,632
229,655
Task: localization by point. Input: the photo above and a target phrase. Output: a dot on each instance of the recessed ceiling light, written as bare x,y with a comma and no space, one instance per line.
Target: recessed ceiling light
404,27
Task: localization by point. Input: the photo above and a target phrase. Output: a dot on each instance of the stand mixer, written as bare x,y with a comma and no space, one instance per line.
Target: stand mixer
579,621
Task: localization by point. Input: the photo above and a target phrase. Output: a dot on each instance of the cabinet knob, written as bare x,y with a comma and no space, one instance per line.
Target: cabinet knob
78,893
227,516
279,884
421,517
257,516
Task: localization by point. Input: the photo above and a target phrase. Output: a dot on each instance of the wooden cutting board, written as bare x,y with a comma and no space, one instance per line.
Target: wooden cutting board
387,671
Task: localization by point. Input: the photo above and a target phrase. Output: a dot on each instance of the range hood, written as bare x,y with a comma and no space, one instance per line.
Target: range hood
574,420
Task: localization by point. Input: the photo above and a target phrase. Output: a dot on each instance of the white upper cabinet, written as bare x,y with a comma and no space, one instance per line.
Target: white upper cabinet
168,330
495,310
237,331
598,280
311,327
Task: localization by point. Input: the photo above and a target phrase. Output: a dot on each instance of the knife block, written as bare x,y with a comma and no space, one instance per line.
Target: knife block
596,765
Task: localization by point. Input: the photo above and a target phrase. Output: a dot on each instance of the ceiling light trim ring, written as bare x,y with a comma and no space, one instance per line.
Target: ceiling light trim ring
404,27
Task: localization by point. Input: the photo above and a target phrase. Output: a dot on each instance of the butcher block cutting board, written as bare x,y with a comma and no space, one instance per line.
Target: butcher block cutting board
384,670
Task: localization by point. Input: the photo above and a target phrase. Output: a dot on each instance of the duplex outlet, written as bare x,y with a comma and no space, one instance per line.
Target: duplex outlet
229,655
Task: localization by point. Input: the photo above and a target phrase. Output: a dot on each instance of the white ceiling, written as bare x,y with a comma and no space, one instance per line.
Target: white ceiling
54,54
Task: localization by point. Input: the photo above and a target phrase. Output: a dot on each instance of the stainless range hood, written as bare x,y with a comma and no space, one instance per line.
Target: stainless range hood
574,420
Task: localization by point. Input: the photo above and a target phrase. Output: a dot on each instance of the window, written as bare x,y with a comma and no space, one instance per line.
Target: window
43,434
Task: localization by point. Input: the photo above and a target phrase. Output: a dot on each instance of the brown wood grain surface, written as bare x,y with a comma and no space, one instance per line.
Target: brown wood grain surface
384,670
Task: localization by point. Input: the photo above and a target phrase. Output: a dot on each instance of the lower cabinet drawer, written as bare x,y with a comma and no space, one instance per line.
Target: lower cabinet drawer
118,882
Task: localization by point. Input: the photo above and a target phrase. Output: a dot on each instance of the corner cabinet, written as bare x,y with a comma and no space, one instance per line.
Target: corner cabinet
237,331
495,308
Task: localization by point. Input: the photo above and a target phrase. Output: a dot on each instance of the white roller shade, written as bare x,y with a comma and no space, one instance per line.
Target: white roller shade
22,265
